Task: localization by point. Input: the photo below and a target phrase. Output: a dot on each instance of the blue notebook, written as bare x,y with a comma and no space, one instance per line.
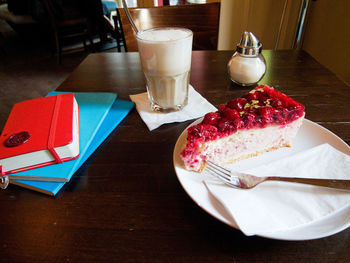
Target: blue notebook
100,114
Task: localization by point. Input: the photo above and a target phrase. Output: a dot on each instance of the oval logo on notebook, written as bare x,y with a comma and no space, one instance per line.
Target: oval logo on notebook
17,139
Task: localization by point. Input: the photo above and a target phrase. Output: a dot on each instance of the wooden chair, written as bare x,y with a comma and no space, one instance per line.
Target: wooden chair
68,28
202,19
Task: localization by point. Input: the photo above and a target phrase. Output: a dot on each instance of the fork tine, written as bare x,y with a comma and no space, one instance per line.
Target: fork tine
219,168
220,175
218,171
225,175
216,174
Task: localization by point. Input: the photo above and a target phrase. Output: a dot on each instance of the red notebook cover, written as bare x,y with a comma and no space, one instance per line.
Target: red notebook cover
40,132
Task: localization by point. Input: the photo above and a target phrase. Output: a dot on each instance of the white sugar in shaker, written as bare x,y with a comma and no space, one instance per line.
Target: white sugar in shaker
247,65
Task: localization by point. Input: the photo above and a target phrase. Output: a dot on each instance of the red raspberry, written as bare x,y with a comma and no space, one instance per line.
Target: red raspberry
252,96
263,96
209,132
296,108
249,120
202,132
280,116
211,118
224,125
295,112
266,113
237,104
238,123
277,103
231,114
194,131
222,107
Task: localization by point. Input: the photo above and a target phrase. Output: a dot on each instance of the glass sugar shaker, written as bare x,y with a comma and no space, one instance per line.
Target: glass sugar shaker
247,65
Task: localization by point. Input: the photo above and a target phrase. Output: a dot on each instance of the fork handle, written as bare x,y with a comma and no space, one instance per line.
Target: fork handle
331,183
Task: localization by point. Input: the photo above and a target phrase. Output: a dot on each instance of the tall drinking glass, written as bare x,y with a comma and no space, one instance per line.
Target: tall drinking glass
165,55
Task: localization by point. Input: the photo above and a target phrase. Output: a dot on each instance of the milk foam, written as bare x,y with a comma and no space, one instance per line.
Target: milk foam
164,34
165,51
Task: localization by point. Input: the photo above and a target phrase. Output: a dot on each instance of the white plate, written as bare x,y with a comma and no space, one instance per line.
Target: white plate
309,135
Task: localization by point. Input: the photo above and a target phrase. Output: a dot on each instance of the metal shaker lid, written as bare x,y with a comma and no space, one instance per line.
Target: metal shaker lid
249,45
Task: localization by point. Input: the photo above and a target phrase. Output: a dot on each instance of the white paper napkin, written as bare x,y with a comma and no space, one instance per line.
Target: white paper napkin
197,107
279,206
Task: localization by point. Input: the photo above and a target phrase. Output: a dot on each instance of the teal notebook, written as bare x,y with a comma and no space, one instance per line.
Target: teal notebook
100,114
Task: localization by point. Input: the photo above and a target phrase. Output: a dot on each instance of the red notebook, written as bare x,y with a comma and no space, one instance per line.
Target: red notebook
40,132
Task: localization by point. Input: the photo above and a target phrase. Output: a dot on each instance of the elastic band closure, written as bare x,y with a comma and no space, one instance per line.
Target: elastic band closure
52,134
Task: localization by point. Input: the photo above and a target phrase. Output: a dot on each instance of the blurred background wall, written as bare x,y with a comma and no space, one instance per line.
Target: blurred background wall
325,35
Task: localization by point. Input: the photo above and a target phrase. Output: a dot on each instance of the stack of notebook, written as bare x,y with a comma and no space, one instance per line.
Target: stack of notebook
99,114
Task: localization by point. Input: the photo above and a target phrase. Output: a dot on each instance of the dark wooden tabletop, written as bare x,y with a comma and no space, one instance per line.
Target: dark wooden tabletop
126,204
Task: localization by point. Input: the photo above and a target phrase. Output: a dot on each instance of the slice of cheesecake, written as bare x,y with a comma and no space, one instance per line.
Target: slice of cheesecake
262,120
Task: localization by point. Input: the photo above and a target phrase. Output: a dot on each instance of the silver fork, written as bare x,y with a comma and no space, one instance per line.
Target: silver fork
248,181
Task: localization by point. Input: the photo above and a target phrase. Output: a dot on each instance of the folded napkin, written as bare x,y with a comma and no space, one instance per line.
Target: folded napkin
279,206
197,107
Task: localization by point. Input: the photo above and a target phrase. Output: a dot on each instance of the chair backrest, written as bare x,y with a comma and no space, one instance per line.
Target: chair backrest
50,13
202,19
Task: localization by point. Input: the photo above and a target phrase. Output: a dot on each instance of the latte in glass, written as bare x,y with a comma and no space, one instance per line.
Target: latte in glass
165,55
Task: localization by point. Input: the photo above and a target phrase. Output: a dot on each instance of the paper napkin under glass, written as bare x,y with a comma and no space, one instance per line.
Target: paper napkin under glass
197,107
281,206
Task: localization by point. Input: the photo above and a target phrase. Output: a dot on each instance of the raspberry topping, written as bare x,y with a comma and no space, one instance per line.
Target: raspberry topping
211,118
231,114
237,104
257,108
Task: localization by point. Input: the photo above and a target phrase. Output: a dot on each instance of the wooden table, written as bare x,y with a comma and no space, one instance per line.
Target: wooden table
152,3
126,204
